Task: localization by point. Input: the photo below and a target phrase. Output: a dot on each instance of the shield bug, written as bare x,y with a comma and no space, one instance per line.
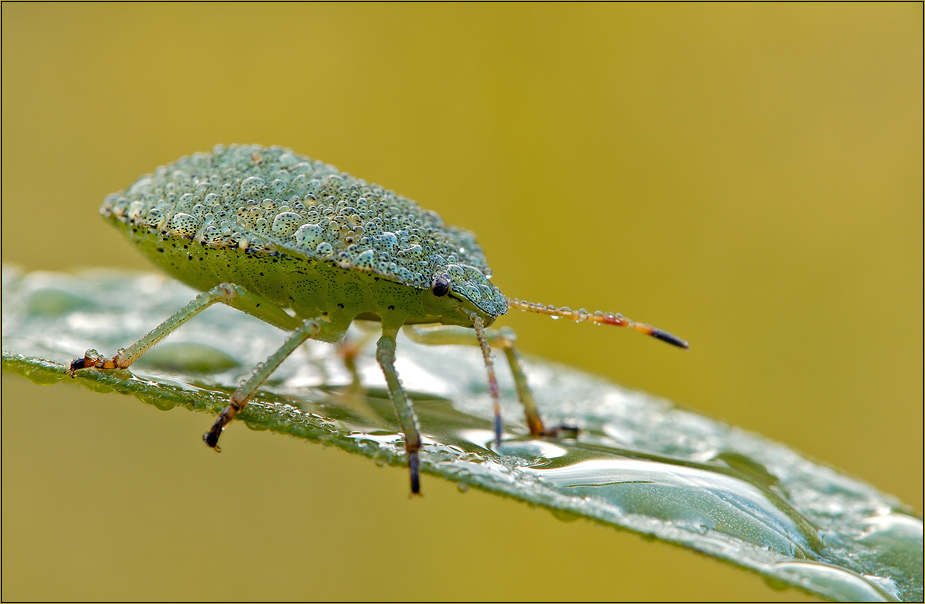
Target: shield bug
309,249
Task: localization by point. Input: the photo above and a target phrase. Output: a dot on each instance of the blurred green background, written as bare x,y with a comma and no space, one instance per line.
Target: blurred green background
746,176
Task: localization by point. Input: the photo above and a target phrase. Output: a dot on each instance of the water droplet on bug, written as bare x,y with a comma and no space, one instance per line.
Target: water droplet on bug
278,186
211,234
286,223
308,236
388,239
184,224
134,210
365,260
253,186
153,217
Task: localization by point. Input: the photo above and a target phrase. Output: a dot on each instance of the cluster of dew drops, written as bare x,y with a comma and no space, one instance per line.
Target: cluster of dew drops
252,196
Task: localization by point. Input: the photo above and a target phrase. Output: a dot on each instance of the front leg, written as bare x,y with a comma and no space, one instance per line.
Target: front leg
225,293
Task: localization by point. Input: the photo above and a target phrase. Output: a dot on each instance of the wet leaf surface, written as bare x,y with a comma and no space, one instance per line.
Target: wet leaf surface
639,463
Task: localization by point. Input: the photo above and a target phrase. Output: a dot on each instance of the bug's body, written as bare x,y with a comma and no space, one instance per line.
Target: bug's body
310,249
305,236
287,278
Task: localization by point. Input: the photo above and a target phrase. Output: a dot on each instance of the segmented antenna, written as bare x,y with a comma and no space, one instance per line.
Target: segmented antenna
602,318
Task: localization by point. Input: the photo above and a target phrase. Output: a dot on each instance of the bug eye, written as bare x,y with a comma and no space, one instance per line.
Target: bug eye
441,286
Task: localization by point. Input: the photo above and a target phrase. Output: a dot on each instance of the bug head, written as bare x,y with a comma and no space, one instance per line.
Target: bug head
468,287
457,290
601,318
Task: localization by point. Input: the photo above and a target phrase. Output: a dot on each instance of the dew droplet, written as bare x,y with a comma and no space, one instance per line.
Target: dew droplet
253,186
153,217
286,223
184,225
325,249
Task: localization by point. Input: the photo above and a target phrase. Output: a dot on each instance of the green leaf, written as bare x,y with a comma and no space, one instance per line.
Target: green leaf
639,463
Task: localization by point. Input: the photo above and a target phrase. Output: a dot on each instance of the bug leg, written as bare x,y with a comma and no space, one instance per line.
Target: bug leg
226,293
504,339
348,352
493,388
353,396
309,329
349,349
385,354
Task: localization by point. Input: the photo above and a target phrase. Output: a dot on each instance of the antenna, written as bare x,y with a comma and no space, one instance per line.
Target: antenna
599,317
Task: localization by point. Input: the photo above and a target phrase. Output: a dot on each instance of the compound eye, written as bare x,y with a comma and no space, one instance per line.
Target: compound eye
441,285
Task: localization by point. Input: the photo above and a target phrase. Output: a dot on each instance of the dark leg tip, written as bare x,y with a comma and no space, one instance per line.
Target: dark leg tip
77,364
414,468
211,439
562,431
498,428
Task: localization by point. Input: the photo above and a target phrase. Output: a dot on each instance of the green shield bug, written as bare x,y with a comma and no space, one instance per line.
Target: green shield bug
309,249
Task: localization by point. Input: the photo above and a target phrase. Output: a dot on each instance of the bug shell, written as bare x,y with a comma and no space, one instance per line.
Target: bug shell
266,198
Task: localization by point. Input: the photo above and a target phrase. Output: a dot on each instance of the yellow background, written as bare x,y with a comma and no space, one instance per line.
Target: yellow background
746,176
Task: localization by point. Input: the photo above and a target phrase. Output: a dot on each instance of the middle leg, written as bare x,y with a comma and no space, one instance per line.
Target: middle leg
308,329
385,354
